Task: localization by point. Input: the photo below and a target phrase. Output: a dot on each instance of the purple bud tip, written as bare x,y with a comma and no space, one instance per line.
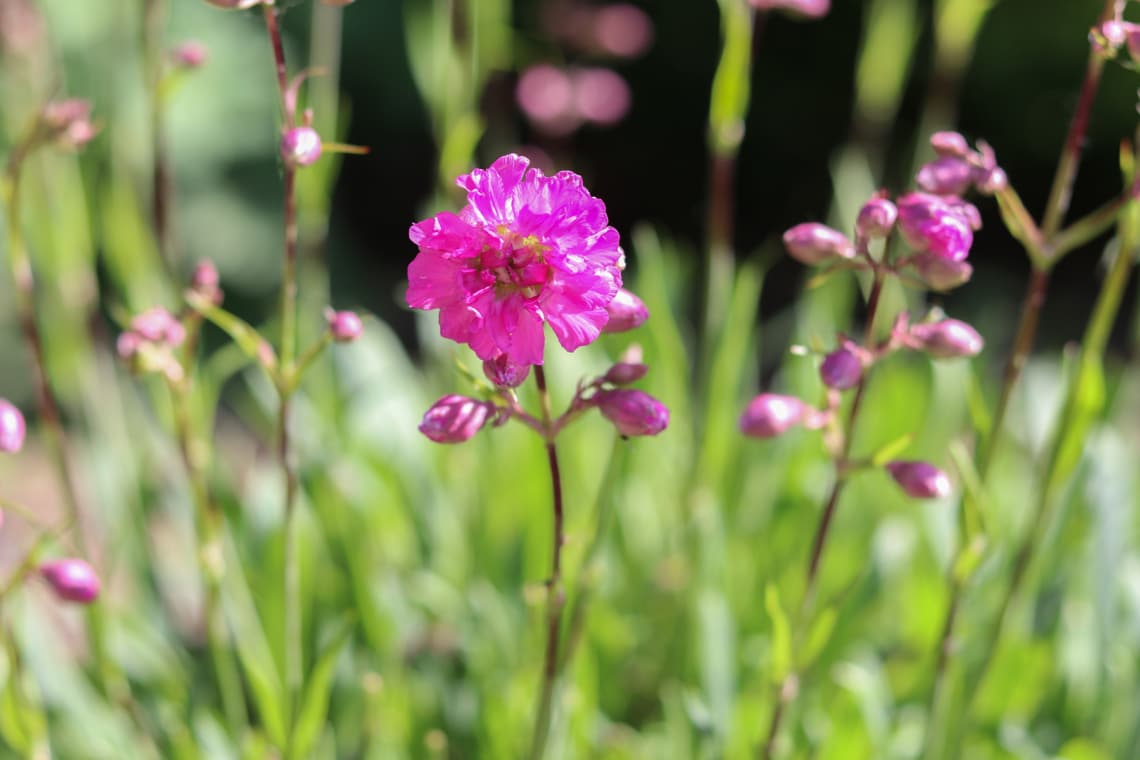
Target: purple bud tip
12,427
633,412
504,373
300,146
877,218
950,144
812,243
72,580
947,175
770,414
920,480
947,338
626,311
206,282
942,274
190,54
69,122
803,8
624,373
455,419
940,226
841,369
157,325
345,326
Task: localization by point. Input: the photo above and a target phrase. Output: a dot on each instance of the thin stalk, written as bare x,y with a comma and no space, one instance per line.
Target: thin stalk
154,16
556,600
294,664
789,689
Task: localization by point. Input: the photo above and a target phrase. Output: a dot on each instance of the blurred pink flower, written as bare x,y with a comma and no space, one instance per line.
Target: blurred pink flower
805,8
600,95
12,427
527,249
622,30
545,94
940,226
72,580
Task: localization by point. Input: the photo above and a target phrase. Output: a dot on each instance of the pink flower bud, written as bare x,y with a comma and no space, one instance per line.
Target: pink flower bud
812,243
947,338
72,580
625,373
344,326
920,480
190,54
947,175
942,274
803,8
157,325
626,311
633,412
455,419
68,122
841,369
504,373
876,219
939,226
205,281
950,144
12,427
770,414
300,146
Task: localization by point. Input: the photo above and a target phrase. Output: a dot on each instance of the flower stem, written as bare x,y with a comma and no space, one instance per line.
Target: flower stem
161,180
556,599
789,688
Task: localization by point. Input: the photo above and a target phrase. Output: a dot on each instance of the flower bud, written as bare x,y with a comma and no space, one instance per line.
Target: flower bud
950,144
633,412
841,369
189,55
344,326
920,480
942,274
942,227
946,175
812,243
626,311
770,414
72,580
12,427
205,281
947,338
157,325
455,419
503,373
68,122
300,146
876,219
625,373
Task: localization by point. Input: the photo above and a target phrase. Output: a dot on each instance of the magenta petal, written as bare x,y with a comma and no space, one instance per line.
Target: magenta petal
528,341
492,192
433,282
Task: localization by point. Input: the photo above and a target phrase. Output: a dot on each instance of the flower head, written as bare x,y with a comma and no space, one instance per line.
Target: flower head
72,580
633,412
12,427
940,226
455,419
920,480
300,146
526,250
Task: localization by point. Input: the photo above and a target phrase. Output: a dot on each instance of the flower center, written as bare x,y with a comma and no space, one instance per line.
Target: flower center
517,266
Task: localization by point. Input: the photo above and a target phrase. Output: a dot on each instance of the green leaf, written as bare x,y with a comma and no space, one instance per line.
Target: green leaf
11,720
891,450
1083,749
315,702
819,635
730,86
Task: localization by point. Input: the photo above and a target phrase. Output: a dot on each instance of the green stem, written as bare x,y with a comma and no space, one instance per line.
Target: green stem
556,594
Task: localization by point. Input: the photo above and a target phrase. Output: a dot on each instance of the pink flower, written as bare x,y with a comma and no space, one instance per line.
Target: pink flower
526,250
455,419
633,412
12,427
941,226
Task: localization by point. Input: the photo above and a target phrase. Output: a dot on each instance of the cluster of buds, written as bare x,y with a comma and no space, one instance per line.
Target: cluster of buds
150,342
66,123
1115,35
12,427
797,8
958,167
455,418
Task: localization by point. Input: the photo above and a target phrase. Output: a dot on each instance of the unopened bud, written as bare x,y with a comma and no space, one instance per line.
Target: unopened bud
947,338
503,373
876,219
72,580
12,427
624,373
68,122
942,274
633,412
205,281
189,55
626,311
947,175
344,326
841,369
455,419
771,414
920,480
300,146
157,325
941,226
812,243
950,144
